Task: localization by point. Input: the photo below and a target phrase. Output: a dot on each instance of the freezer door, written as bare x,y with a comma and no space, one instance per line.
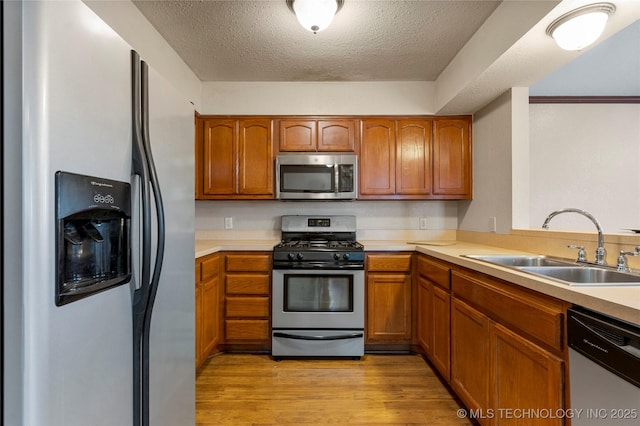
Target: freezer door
77,358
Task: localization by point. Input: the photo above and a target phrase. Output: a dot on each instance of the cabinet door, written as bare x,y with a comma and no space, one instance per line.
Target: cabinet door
219,157
255,168
377,157
525,377
209,305
297,135
211,312
337,135
198,315
388,308
424,315
441,320
470,342
452,158
413,157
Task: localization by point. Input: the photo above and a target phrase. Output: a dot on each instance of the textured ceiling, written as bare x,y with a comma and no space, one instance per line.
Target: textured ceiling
369,40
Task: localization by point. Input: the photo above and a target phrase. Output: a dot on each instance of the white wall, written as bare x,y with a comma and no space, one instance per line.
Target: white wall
492,159
134,28
320,98
585,156
371,215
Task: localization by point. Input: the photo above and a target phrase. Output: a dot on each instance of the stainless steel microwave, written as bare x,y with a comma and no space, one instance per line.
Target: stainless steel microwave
316,177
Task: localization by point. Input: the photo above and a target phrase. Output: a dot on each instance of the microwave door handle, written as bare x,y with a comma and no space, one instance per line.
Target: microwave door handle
336,187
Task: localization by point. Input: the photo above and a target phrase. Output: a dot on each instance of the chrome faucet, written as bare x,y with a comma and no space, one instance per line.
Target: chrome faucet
601,253
622,260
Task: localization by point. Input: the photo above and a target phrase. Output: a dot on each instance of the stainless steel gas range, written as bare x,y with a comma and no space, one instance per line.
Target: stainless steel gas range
318,288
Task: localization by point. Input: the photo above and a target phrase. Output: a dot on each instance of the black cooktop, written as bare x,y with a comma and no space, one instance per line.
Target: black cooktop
319,244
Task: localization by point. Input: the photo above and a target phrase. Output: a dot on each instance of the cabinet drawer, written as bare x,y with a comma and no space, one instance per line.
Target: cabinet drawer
210,267
256,307
389,262
536,315
247,284
436,272
246,330
248,262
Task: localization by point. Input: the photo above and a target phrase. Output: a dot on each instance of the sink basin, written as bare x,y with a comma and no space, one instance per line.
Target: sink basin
517,260
563,270
584,275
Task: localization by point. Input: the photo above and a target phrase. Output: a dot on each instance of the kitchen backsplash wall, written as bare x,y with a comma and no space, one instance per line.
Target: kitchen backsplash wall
371,215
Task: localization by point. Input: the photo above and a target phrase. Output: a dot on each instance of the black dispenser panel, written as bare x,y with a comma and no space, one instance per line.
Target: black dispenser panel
93,239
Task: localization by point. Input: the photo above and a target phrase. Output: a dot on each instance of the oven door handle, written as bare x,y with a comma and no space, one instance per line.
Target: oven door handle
302,337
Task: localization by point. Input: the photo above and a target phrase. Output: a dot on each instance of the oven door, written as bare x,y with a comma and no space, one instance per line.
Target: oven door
318,299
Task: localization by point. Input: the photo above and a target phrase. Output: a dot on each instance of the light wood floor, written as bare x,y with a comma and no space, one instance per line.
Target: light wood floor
254,390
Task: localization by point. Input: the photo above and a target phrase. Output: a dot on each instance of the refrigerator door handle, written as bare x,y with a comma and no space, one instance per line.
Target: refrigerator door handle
155,186
159,258
139,168
144,295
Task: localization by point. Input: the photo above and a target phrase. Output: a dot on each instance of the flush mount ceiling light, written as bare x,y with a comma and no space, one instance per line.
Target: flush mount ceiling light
579,28
315,15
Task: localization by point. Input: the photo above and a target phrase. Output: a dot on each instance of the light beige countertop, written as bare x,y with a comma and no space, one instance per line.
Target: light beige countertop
618,301
205,247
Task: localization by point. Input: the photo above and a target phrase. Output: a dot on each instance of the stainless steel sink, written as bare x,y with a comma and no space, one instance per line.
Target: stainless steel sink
584,275
563,270
517,260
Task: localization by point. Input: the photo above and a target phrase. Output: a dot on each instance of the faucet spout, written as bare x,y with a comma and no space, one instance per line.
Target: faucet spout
601,253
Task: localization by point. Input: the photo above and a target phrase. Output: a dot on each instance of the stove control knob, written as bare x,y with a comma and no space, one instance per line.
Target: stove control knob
345,256
291,256
336,256
299,256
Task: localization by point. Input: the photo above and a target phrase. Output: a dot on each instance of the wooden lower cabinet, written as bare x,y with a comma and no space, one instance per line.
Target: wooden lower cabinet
508,353
441,326
388,293
523,376
470,356
247,303
424,314
434,312
207,307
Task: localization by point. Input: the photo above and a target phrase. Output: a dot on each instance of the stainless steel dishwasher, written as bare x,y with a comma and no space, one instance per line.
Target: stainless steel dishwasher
604,362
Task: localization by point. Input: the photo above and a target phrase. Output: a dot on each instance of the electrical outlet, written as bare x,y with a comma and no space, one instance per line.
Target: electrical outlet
492,224
424,223
228,223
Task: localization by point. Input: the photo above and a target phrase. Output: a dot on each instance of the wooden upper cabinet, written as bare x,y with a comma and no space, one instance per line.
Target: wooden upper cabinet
377,157
255,168
413,159
428,158
452,158
337,135
395,159
234,158
219,156
298,135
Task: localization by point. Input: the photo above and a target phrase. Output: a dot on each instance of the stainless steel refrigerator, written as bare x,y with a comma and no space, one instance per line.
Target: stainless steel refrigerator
98,320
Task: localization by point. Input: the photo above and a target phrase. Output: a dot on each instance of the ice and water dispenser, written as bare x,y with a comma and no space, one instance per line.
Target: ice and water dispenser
93,241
